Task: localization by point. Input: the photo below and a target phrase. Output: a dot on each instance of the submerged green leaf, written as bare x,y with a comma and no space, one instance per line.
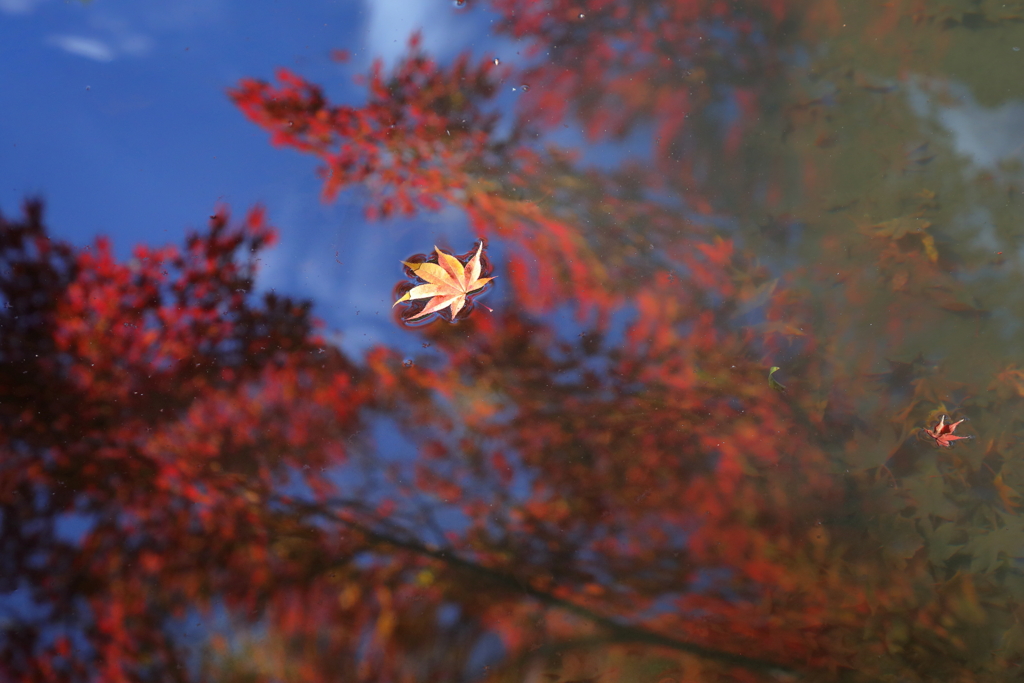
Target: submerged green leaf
772,382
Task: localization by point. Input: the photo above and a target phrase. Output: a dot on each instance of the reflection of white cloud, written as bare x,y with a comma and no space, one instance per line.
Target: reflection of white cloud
84,47
985,135
18,6
444,30
123,42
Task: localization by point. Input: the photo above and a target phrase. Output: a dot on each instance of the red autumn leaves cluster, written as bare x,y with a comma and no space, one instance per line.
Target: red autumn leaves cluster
141,405
411,144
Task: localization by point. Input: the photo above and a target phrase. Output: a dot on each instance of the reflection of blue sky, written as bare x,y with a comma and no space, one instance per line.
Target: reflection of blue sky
135,141
328,253
116,113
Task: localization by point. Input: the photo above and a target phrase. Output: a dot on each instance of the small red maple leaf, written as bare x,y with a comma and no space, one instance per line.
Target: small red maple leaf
943,432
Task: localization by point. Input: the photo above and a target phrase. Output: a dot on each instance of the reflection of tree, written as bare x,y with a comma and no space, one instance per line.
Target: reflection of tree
632,485
144,413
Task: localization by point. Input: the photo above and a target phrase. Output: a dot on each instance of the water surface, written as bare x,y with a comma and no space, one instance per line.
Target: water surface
740,403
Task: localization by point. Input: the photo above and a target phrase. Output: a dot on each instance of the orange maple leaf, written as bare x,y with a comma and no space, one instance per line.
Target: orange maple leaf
448,282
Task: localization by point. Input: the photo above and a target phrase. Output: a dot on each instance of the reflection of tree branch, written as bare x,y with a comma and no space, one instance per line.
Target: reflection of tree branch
617,632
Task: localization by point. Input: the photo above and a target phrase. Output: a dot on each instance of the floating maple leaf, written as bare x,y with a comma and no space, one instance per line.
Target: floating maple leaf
943,432
448,282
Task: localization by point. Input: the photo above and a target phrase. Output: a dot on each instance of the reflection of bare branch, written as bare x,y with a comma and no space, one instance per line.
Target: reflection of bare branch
615,631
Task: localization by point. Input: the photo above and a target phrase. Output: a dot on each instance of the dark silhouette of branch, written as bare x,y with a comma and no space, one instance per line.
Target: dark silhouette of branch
616,631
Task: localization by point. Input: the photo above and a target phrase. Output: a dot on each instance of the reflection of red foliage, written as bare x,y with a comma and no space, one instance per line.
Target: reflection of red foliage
144,400
411,143
634,483
615,65
636,472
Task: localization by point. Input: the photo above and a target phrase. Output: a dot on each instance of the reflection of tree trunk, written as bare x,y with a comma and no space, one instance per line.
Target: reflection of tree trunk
616,632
